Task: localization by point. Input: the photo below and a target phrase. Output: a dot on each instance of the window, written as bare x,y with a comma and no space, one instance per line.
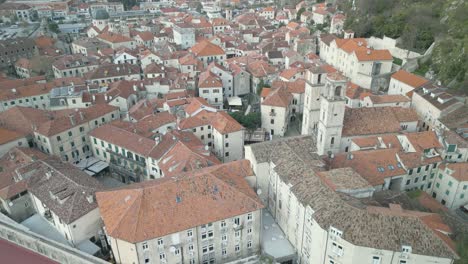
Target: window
249,230
224,237
462,196
70,133
416,179
237,248
162,256
190,247
419,170
402,261
450,183
272,121
249,216
226,136
410,172
237,234
227,154
224,252
177,251
447,192
160,242
237,221
59,138
465,187
408,182
440,176
146,260
190,233
145,246
223,224
376,260
437,185
427,167
249,244
332,140
424,178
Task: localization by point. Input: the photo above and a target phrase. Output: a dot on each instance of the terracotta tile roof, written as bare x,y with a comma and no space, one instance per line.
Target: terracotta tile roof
123,138
224,123
15,83
37,88
459,170
154,121
195,104
352,44
260,68
409,78
430,203
7,135
376,120
26,119
60,123
113,37
278,98
297,87
208,79
145,35
368,162
44,42
209,195
206,48
291,72
265,92
112,70
186,156
372,55
74,60
388,98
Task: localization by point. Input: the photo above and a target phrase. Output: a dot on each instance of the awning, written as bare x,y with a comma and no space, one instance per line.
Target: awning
235,101
88,247
98,166
85,163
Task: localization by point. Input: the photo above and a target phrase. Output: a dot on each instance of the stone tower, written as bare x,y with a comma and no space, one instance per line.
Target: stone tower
331,116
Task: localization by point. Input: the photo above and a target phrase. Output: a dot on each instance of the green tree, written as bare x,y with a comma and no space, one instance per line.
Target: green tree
250,121
53,27
299,13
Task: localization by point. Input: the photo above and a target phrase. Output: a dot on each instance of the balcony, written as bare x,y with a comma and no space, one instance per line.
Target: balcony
130,159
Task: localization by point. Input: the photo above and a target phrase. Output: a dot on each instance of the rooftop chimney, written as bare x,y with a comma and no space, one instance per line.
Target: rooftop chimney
72,119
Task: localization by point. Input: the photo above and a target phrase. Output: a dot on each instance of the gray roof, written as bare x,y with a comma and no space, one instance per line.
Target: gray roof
66,191
297,164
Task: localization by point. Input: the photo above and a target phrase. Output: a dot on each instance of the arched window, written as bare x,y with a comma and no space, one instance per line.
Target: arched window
338,91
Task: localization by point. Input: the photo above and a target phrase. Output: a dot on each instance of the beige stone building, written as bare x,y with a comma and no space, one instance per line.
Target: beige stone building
203,216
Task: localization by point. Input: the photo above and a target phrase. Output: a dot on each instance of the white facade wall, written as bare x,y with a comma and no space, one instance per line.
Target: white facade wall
228,147
275,119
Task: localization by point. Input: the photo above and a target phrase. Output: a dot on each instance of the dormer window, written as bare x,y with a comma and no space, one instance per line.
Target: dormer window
406,249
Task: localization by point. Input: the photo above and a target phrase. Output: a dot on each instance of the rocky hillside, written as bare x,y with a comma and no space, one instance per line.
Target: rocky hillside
418,23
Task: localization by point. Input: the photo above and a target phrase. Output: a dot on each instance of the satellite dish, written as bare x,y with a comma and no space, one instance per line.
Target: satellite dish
172,249
259,191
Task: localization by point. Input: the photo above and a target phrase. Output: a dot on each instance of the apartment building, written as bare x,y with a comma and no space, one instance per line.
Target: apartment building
208,52
450,186
224,223
210,88
356,60
433,102
112,73
33,95
396,161
75,65
14,49
325,220
403,83
65,134
184,35
276,111
64,195
218,130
